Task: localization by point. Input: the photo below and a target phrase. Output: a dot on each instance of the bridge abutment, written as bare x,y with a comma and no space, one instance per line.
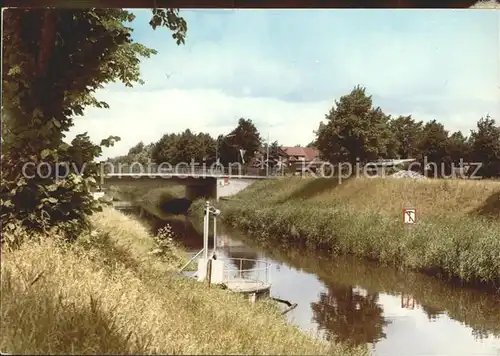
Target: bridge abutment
229,187
196,187
207,190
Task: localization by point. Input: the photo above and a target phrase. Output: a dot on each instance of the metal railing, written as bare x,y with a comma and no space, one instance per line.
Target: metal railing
234,269
191,260
234,170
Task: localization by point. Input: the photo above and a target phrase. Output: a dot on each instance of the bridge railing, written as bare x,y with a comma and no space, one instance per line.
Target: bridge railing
121,168
234,268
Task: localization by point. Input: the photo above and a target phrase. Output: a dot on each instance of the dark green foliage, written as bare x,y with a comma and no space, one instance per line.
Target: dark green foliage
485,147
139,153
244,137
406,133
175,148
184,147
354,130
54,62
136,149
274,151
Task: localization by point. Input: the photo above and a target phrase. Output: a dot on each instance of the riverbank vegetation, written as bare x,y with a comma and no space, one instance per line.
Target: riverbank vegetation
457,234
45,180
470,306
108,293
77,278
149,198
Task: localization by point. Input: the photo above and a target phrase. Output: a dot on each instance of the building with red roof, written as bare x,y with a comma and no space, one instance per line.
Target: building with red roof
299,158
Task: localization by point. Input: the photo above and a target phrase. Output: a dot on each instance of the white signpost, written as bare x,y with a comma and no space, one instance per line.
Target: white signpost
217,270
409,216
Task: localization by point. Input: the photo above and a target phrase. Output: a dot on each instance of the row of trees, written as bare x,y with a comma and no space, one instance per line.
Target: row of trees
51,75
354,129
240,145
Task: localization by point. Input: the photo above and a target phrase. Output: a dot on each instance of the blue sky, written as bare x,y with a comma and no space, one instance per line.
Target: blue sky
284,68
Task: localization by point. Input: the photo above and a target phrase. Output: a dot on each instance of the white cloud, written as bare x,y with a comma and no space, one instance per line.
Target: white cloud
257,65
409,327
145,116
137,115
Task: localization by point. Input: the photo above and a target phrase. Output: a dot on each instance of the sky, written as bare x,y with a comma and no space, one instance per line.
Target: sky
284,69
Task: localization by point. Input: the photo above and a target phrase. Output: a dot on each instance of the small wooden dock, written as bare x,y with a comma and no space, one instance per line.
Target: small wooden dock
254,289
254,282
245,285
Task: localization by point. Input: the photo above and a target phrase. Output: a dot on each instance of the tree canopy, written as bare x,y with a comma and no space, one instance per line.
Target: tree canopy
244,137
140,153
485,146
406,133
55,61
202,148
175,148
355,130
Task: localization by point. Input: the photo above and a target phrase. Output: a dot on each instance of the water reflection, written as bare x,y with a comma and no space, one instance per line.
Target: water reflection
358,302
184,231
346,315
242,259
407,301
432,313
477,311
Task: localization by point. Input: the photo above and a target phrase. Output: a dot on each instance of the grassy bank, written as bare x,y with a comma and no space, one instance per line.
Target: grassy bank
457,235
108,294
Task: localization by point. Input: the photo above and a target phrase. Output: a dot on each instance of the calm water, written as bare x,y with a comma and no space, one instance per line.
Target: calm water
354,301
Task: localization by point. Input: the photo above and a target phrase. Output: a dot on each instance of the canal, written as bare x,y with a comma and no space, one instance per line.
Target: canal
359,302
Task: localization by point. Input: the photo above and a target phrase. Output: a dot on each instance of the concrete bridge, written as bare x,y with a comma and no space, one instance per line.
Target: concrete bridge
198,183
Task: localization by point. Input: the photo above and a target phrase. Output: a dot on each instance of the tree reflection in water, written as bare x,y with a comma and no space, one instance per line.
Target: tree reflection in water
247,263
184,232
348,316
480,334
476,308
432,313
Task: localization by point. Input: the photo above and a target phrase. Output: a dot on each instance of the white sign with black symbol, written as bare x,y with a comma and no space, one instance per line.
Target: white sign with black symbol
409,216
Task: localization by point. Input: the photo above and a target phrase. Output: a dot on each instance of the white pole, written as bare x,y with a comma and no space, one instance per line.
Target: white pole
215,234
204,234
205,237
217,151
267,154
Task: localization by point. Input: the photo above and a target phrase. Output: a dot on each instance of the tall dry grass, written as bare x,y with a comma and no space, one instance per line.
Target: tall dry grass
457,234
107,294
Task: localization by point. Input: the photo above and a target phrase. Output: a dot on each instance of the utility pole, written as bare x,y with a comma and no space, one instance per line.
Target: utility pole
267,153
217,151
